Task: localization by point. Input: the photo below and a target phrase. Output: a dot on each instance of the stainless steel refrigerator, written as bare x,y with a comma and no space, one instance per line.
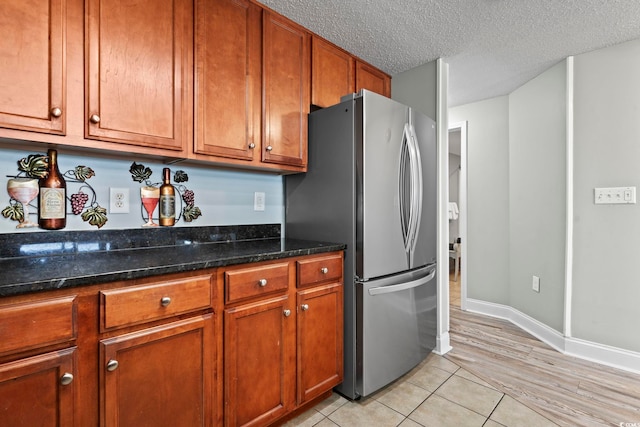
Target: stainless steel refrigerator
371,184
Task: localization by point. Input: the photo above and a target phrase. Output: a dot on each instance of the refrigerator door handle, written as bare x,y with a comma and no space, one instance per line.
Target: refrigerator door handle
402,286
405,223
416,194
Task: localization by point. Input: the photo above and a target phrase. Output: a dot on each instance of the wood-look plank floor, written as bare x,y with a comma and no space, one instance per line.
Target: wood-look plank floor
567,390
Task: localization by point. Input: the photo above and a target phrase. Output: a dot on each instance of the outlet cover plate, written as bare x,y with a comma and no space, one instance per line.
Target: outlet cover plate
118,200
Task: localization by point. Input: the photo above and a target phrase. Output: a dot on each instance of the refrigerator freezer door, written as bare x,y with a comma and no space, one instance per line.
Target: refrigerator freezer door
398,326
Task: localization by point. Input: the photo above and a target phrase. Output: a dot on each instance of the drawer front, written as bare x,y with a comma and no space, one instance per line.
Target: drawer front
139,304
37,324
255,281
317,270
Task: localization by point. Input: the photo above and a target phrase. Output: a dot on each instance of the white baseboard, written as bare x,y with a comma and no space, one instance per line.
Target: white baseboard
595,352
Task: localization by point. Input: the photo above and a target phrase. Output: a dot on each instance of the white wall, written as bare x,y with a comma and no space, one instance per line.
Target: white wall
225,197
454,191
537,196
606,273
487,255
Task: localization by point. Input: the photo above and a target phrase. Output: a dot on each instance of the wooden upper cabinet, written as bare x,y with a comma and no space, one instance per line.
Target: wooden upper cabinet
138,72
332,73
228,78
32,70
286,90
368,77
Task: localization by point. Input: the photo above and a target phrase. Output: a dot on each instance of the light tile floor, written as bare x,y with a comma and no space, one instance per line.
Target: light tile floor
436,393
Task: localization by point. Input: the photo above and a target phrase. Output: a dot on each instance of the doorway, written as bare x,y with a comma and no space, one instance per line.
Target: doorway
457,214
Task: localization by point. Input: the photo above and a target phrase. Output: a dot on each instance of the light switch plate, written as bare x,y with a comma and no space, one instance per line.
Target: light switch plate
258,201
614,195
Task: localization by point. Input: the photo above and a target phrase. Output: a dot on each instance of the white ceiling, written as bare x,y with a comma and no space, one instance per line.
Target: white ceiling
492,46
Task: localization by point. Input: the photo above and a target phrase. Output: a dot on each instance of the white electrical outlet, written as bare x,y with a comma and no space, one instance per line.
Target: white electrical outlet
535,284
118,200
258,201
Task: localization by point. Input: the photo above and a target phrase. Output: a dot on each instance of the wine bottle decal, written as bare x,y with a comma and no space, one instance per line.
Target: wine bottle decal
167,200
52,205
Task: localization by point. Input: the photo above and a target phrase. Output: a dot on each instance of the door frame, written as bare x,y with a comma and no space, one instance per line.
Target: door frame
462,207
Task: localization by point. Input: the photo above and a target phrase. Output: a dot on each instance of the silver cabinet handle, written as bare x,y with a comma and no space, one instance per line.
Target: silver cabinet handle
95,119
112,365
252,145
66,378
262,282
304,307
324,270
287,313
56,112
269,148
165,301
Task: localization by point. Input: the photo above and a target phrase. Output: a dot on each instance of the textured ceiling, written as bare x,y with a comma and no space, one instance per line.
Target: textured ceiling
492,46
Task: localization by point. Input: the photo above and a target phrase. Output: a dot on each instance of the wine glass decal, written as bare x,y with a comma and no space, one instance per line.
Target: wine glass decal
150,197
23,190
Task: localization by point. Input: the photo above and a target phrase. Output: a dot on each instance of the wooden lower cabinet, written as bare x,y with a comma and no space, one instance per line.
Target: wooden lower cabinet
159,376
259,345
284,347
39,390
320,340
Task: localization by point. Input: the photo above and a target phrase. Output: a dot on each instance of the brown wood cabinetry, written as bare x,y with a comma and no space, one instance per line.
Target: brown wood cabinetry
32,65
36,341
159,376
228,73
286,86
336,73
138,68
282,345
368,77
259,345
252,69
39,390
332,73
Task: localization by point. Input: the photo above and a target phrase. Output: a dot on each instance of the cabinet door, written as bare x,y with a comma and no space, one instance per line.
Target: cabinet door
331,73
138,68
320,340
286,80
159,376
228,78
39,390
372,79
32,72
259,362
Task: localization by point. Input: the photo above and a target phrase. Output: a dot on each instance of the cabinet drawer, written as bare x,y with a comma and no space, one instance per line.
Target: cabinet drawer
316,270
255,281
138,304
37,324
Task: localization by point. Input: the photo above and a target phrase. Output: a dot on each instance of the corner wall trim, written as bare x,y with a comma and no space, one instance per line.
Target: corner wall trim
594,352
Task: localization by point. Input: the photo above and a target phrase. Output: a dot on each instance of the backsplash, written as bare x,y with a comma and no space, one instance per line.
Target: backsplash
224,197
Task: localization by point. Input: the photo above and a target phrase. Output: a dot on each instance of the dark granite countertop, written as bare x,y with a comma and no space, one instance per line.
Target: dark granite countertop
40,261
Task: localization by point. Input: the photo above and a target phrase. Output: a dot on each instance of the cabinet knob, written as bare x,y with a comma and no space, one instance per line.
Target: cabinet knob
252,145
66,378
112,365
269,148
262,282
95,119
165,301
56,112
304,307
287,313
324,270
